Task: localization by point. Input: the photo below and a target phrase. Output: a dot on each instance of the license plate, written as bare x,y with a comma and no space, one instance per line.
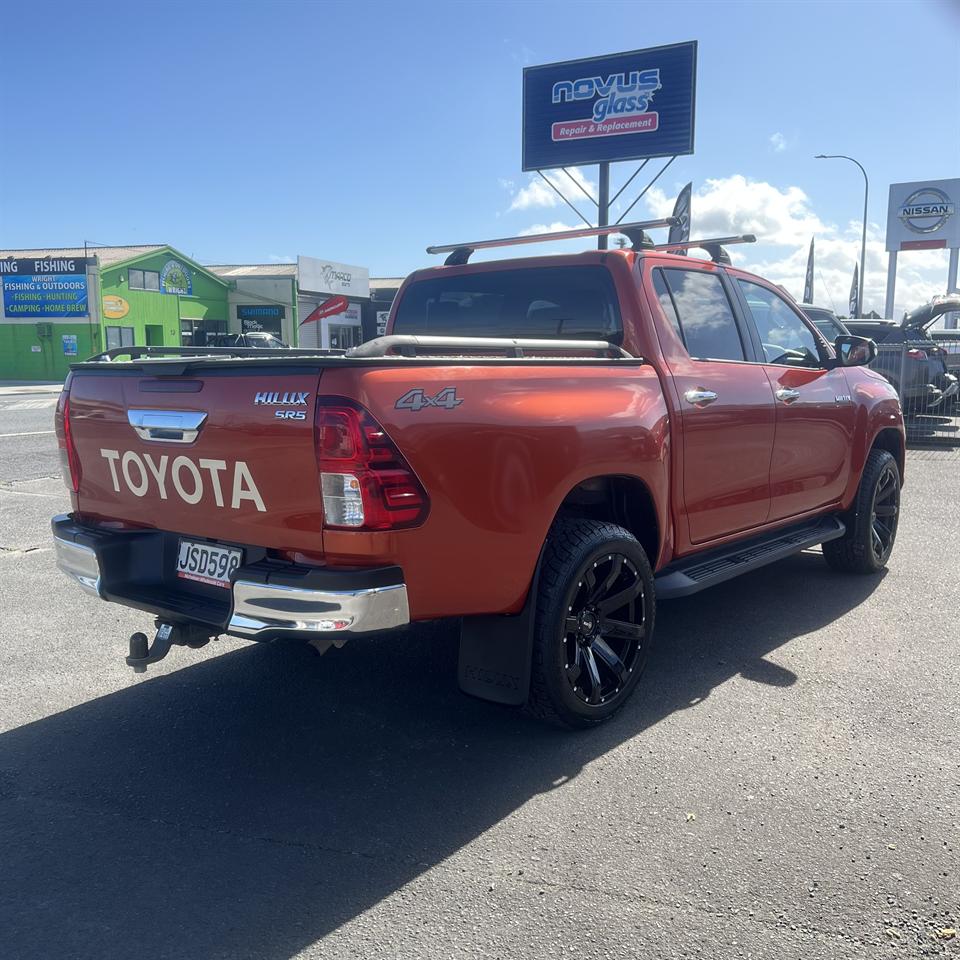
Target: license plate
207,562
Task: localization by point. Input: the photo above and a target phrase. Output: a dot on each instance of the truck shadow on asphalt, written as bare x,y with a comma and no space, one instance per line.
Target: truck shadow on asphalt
248,805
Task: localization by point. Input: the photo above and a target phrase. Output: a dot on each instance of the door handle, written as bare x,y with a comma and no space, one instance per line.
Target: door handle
788,394
172,426
699,396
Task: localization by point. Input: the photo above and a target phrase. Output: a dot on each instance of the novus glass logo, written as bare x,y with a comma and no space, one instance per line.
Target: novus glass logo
621,104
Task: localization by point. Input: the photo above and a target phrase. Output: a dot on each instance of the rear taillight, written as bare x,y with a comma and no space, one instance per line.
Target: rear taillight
69,460
365,480
915,354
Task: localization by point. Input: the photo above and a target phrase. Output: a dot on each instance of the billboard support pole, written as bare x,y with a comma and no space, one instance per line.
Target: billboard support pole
578,185
603,205
646,188
558,192
891,284
613,199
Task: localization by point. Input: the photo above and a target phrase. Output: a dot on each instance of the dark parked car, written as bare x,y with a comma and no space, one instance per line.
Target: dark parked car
927,384
949,342
257,339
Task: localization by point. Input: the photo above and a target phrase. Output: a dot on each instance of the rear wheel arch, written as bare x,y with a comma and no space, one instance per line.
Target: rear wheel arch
623,500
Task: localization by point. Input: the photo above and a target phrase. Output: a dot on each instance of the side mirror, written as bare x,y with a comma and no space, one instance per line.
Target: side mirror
854,351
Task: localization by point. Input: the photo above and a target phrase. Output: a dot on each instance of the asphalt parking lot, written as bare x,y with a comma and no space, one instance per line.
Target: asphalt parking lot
785,783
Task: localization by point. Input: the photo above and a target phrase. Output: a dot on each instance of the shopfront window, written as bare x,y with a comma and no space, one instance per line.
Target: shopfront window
343,336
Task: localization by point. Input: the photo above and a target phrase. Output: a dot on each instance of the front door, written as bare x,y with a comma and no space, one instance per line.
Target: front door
726,407
815,413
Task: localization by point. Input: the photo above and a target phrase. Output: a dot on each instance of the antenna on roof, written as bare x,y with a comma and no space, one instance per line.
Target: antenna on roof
713,246
460,252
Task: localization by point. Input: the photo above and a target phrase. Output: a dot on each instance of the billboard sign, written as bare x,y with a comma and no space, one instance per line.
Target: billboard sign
36,288
625,106
924,215
326,276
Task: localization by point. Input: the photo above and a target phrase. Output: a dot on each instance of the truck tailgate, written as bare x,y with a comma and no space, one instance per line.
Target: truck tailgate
248,475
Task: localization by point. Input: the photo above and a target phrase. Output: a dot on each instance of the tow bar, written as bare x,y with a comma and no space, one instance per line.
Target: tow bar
142,652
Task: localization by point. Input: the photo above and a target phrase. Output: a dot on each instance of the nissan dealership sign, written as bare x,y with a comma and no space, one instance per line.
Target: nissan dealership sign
326,276
923,215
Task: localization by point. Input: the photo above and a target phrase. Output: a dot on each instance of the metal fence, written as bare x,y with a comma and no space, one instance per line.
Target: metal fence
925,375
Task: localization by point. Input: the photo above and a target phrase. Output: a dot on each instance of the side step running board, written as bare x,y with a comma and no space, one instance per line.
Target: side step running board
704,570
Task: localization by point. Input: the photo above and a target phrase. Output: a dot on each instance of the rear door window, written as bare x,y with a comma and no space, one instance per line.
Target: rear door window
538,302
707,323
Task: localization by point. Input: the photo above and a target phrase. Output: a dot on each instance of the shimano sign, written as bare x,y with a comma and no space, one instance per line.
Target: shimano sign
625,106
923,216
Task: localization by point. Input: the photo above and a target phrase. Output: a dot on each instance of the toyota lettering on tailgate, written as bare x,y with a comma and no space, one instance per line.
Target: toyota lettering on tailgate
145,476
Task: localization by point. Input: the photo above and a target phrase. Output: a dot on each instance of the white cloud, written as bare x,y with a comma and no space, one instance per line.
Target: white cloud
537,194
778,141
738,205
784,220
554,227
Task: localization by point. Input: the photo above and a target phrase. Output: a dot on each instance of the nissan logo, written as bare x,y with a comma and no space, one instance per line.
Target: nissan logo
926,210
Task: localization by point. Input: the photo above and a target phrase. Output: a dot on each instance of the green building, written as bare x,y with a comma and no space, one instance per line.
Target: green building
59,305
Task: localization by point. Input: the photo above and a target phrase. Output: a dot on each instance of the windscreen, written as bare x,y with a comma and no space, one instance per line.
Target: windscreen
537,302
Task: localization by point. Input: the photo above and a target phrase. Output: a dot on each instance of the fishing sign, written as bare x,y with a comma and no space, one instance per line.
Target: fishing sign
625,106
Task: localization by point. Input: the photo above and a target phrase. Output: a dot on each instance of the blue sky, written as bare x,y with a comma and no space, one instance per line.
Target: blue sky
362,132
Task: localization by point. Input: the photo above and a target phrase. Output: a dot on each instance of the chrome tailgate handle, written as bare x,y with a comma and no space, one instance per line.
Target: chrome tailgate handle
788,395
699,396
170,426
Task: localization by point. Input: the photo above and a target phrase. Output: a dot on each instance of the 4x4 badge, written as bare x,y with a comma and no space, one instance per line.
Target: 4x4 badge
417,399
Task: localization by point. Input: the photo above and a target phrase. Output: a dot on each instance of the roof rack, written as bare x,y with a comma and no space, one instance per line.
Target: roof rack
460,252
713,246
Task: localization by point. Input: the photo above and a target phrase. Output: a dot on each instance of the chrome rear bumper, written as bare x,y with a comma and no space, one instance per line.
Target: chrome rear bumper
267,608
266,600
78,562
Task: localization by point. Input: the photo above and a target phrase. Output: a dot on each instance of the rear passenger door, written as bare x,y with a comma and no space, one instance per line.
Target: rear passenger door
815,413
726,406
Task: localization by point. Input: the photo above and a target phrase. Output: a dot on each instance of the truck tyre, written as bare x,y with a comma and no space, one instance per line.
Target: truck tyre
872,521
594,622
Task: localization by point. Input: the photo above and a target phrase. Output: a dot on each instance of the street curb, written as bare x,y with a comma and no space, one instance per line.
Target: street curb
13,389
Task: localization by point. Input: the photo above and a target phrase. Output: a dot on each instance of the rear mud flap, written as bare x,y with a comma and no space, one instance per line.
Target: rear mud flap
496,654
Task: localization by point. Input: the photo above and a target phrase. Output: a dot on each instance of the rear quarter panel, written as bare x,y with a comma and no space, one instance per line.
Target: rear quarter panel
497,467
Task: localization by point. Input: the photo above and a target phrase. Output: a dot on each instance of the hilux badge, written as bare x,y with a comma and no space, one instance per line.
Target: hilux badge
276,399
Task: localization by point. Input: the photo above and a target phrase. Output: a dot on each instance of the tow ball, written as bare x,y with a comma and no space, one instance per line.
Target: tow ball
143,653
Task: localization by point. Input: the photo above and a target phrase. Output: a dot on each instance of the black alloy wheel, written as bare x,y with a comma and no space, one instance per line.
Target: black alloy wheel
594,622
604,628
885,513
872,520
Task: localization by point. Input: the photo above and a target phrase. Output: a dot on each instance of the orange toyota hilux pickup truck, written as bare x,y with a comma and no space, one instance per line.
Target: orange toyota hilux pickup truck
541,448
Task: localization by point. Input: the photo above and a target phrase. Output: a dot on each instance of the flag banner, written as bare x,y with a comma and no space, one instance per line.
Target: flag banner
808,280
854,308
681,210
